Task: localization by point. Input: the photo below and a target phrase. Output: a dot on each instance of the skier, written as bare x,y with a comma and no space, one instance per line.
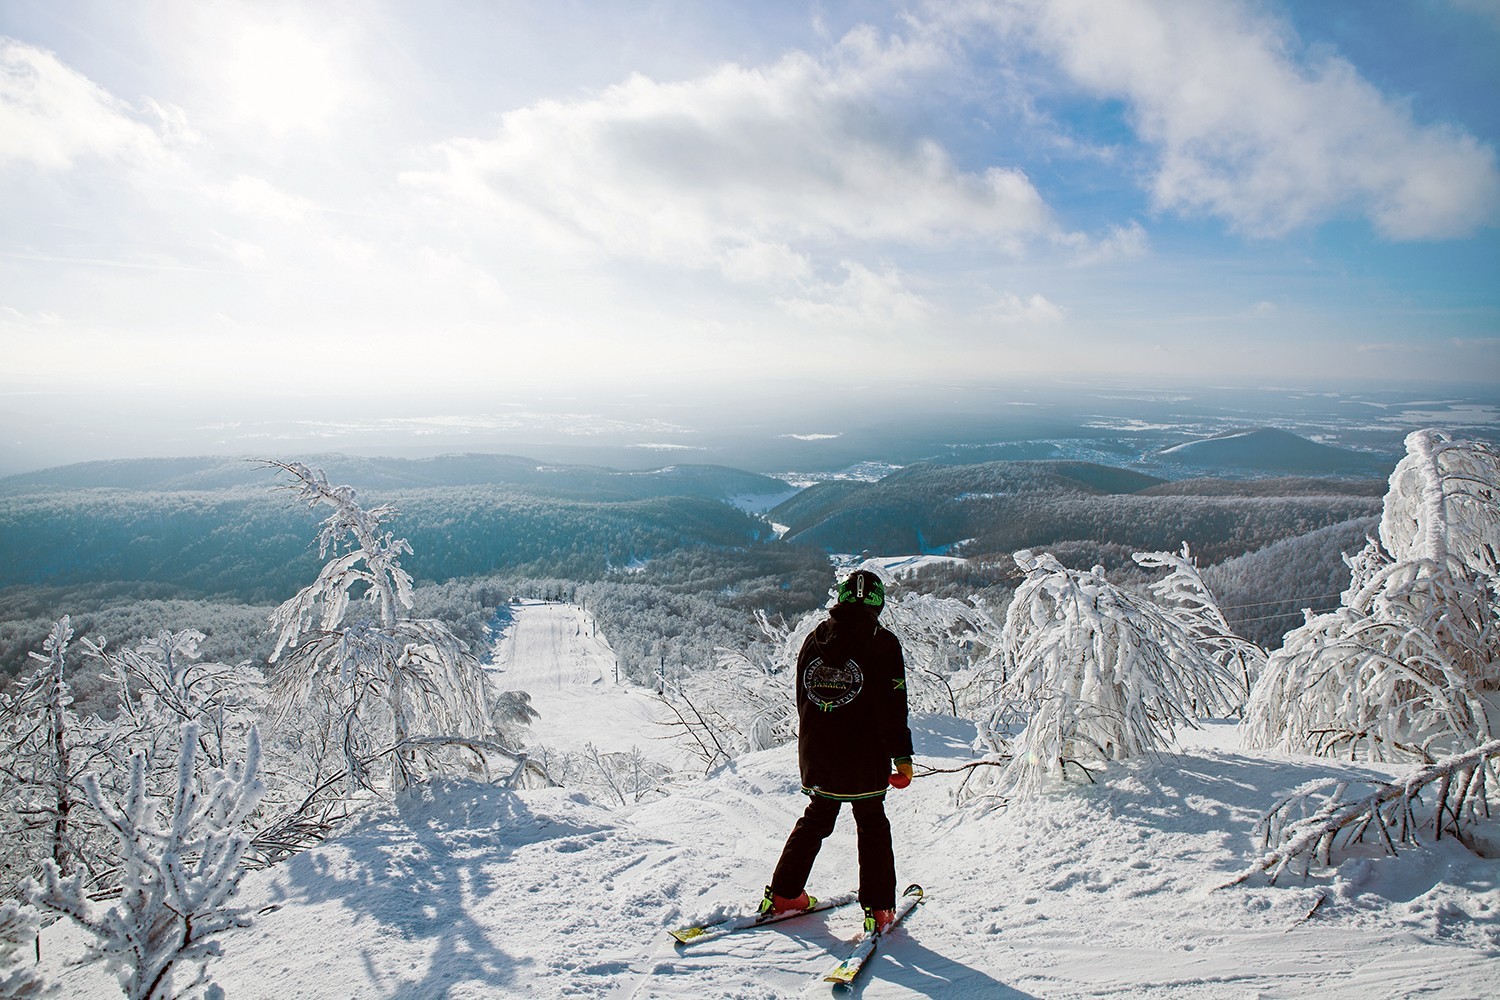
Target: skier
851,708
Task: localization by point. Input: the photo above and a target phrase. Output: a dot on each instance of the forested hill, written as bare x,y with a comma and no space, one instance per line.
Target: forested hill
676,574
998,507
216,526
219,527
586,482
931,497
254,544
1266,450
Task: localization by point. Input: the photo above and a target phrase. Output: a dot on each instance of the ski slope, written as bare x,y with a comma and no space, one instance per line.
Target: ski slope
555,654
461,890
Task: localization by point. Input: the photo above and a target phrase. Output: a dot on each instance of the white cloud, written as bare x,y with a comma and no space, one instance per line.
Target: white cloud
747,170
1128,242
51,116
1250,128
766,264
256,196
865,301
14,321
1013,310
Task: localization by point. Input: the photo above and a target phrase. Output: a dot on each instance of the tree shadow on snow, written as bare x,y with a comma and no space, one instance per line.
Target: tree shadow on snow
1221,792
415,870
908,964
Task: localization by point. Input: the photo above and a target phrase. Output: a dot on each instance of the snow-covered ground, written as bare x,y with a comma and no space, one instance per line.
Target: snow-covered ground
899,566
555,653
463,890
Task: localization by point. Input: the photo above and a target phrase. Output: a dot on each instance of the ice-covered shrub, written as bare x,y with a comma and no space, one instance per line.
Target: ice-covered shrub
1098,673
949,646
1184,596
179,871
161,684
1404,665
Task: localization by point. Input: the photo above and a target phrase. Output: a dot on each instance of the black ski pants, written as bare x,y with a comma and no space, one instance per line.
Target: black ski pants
877,860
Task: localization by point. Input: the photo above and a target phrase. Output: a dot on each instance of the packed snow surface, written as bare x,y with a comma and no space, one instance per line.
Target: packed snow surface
554,653
464,890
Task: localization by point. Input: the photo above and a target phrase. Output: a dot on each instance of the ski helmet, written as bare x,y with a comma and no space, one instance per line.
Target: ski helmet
862,587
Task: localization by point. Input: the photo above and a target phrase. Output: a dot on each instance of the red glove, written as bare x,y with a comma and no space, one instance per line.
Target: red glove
902,777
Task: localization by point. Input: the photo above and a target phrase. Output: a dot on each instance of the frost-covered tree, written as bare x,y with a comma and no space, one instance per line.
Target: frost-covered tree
1404,665
19,980
385,677
39,768
1184,596
1096,673
742,703
949,647
162,684
179,871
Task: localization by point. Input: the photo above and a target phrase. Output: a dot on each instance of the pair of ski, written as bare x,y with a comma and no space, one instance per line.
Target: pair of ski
845,971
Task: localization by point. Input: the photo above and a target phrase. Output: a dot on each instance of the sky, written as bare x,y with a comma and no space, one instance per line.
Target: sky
465,199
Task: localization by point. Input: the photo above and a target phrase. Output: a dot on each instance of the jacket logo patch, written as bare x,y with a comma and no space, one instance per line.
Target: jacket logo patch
830,686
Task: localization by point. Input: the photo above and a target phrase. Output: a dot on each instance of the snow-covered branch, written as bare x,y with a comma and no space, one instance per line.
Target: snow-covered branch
1388,811
161,684
325,805
19,980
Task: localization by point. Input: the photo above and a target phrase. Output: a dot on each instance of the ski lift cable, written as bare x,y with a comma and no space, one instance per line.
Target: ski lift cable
1267,618
1284,600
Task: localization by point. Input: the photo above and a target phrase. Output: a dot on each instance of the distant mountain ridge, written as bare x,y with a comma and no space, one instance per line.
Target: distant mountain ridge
216,526
169,475
997,507
1267,450
927,506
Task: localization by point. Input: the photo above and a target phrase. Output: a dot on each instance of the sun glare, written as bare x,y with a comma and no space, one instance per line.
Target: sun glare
281,78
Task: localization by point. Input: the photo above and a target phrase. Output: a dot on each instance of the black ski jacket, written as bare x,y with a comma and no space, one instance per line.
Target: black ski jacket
851,706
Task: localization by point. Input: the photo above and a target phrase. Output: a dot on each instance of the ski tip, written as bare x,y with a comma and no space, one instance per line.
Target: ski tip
842,976
914,890
685,935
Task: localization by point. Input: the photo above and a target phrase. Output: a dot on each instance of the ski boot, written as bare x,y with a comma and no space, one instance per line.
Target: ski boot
878,920
773,904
